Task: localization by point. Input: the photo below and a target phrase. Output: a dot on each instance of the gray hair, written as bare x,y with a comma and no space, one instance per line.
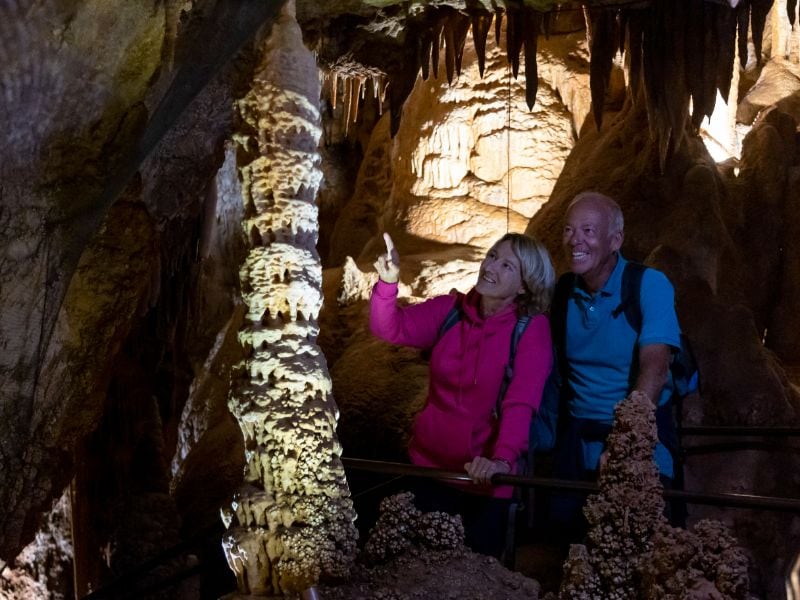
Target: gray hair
616,223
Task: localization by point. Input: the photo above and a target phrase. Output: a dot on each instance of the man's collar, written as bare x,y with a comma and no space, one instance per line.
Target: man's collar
612,284
614,281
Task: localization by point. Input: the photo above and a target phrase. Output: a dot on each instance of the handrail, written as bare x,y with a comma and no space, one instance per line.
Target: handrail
738,446
726,499
738,430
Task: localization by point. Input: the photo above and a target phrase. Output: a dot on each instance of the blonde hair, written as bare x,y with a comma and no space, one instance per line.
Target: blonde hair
536,270
616,222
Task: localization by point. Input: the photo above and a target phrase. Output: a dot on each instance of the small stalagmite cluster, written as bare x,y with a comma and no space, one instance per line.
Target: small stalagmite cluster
291,524
631,550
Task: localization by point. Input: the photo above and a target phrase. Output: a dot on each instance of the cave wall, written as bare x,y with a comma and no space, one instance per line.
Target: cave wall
119,321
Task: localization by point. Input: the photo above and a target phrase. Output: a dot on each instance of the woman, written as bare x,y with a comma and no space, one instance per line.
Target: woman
460,426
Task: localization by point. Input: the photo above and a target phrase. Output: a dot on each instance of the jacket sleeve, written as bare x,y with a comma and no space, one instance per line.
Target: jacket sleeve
532,366
414,325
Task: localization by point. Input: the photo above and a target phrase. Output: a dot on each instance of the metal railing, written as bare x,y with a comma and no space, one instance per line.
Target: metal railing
125,586
726,499
738,431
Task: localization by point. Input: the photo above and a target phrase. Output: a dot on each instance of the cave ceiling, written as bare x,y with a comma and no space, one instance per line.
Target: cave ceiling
679,54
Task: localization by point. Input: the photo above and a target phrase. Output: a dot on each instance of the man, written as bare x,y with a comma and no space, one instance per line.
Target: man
606,358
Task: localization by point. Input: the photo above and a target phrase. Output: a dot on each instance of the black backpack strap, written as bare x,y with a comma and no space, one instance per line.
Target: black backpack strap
519,328
453,316
630,296
558,321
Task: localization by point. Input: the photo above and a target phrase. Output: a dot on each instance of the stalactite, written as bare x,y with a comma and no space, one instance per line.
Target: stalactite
699,56
759,9
533,24
743,19
460,28
402,84
515,25
653,70
622,28
436,44
353,78
449,52
604,40
634,52
676,50
481,22
724,19
424,44
676,96
498,26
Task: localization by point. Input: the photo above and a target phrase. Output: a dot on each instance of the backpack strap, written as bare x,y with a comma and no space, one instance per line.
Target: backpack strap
519,328
558,321
456,313
453,316
630,296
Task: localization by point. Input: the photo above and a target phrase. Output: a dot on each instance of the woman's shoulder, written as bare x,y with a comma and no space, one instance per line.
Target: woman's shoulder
540,324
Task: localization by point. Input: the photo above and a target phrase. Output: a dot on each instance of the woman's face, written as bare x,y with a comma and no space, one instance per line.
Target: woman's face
500,274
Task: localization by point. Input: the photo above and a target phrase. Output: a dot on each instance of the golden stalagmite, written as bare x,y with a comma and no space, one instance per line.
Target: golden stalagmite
291,523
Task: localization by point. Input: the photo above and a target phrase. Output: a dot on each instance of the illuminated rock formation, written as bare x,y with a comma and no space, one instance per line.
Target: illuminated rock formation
292,521
631,551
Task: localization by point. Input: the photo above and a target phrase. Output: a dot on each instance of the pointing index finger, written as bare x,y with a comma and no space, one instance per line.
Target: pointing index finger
389,245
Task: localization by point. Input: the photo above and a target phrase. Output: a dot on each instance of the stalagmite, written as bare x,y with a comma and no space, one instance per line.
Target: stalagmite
291,524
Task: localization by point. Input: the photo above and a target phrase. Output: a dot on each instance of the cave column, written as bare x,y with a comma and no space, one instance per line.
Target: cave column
291,523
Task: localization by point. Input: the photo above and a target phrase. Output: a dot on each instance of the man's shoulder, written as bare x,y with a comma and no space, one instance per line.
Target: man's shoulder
656,280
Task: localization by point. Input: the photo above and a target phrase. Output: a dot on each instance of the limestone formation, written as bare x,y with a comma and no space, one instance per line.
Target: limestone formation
631,551
119,260
291,524
476,159
401,526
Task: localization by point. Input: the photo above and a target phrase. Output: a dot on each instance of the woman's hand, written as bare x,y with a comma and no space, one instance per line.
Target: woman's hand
388,265
481,469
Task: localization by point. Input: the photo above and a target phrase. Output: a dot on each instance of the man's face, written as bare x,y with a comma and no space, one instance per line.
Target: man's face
500,275
588,242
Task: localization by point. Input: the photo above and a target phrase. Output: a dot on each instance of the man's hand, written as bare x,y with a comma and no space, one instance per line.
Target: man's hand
388,265
481,469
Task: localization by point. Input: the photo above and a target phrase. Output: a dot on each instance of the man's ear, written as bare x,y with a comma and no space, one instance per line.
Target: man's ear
616,240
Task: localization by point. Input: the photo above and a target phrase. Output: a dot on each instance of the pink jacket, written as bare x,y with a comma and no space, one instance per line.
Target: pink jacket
466,370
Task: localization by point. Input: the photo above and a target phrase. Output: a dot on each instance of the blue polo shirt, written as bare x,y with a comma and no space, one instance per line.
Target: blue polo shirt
600,348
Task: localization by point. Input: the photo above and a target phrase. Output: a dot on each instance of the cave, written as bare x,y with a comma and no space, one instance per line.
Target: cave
192,197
